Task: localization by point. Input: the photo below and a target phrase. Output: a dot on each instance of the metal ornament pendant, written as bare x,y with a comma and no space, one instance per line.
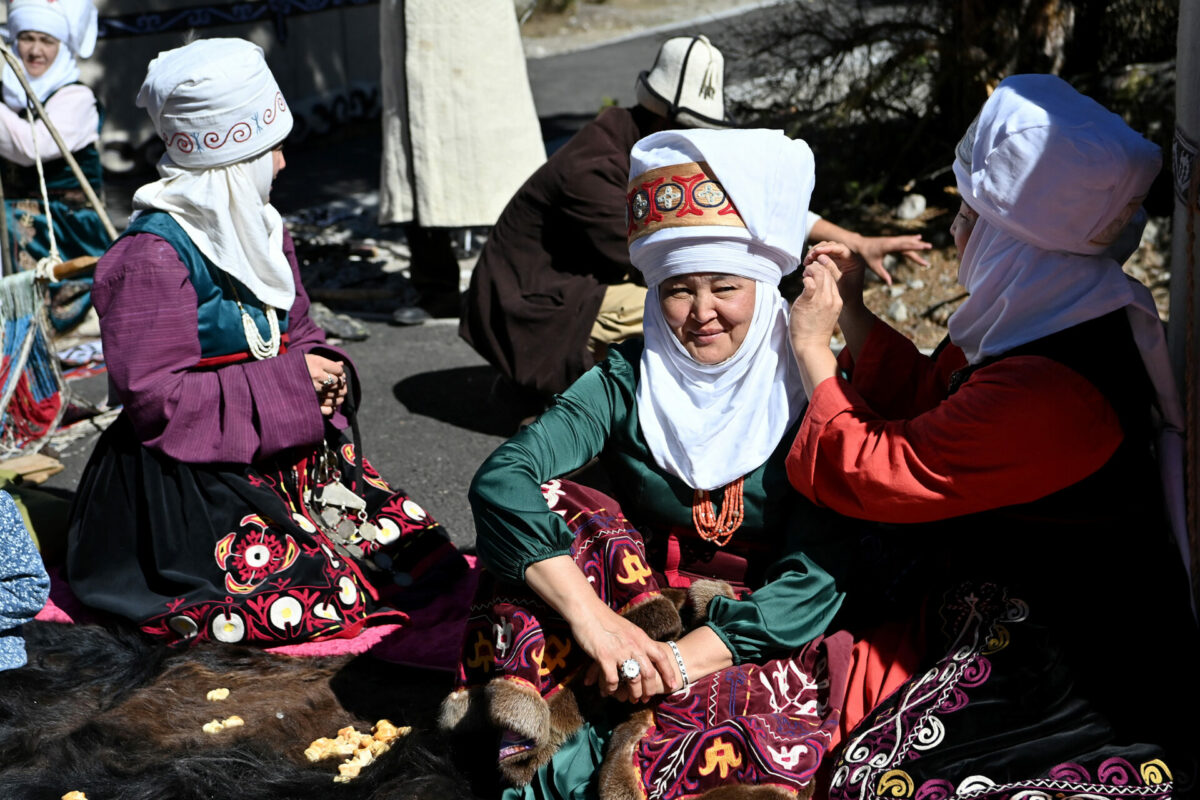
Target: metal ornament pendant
347,530
368,531
331,516
335,494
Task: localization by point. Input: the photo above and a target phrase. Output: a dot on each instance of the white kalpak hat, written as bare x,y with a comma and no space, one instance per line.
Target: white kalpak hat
72,22
686,83
214,102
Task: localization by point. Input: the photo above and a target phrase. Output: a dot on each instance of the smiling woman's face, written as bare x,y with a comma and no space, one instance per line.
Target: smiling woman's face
37,52
709,313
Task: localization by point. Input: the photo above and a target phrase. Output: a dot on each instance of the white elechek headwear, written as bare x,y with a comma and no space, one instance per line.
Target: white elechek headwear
730,202
1058,183
220,112
686,84
72,22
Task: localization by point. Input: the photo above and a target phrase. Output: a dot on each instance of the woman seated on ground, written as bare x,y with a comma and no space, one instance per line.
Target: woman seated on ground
1029,440
48,35
226,502
692,428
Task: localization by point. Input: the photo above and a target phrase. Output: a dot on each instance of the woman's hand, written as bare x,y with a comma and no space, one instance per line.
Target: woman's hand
851,268
605,635
329,380
874,248
855,319
815,315
815,312
702,653
610,640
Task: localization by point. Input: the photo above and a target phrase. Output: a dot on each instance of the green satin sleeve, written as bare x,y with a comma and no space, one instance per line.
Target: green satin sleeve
784,614
513,525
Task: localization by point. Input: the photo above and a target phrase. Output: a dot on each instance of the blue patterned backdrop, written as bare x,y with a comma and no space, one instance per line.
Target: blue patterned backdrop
207,16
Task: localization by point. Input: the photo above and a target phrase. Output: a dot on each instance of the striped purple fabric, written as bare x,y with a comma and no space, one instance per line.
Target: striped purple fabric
238,413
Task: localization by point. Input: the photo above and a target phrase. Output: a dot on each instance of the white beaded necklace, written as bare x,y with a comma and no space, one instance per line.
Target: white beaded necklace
259,348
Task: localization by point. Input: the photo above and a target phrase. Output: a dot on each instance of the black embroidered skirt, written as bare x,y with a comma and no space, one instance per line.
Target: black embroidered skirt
239,553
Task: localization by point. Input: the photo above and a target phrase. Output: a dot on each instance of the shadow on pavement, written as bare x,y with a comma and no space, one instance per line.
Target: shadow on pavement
462,397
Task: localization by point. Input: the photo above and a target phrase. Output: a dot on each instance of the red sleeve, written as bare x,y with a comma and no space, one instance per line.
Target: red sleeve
1017,430
895,378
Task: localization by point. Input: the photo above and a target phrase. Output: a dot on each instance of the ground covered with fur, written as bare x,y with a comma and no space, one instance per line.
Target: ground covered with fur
108,713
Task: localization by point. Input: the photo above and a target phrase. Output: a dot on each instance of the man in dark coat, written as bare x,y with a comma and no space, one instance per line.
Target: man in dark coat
541,277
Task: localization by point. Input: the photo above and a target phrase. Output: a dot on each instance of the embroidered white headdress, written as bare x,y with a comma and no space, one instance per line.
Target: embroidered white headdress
219,112
731,202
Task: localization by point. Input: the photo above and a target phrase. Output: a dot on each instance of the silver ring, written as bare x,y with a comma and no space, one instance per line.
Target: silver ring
630,669
330,380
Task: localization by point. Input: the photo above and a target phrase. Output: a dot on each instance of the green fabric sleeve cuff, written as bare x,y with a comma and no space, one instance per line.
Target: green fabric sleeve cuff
535,558
737,659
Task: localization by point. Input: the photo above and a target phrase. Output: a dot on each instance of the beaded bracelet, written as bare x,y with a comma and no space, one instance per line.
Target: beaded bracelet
679,660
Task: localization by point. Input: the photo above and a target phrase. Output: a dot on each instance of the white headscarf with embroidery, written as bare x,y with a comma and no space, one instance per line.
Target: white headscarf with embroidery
712,424
219,112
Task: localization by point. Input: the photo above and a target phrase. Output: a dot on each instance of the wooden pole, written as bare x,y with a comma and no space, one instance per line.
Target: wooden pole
19,69
6,265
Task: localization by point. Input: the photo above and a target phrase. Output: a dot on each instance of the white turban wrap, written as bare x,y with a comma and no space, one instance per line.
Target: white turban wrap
72,22
710,424
1058,182
219,112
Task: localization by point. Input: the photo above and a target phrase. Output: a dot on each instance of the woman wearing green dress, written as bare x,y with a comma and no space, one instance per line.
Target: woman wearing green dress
576,624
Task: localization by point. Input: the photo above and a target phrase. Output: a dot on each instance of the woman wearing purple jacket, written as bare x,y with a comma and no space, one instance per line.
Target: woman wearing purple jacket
228,502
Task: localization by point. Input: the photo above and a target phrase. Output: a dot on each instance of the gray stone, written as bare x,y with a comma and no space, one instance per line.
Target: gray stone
911,207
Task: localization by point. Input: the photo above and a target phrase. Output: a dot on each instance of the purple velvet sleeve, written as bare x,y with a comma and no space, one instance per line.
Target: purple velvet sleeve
234,414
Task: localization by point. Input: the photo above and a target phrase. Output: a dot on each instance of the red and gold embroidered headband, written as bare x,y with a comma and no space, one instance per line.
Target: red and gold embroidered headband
681,195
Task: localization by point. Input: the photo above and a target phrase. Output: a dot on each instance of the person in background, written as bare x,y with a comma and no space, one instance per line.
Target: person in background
230,500
48,36
554,287
1019,459
459,133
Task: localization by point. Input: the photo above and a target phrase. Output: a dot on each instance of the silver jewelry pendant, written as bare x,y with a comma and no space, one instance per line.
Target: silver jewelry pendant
335,494
368,531
347,531
331,516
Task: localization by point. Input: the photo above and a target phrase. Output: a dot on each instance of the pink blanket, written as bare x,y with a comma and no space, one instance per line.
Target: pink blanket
432,639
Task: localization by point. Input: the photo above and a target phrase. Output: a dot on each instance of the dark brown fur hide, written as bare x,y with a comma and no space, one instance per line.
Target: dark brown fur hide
112,715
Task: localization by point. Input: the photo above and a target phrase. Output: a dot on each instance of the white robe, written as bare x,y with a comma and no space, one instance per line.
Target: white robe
460,133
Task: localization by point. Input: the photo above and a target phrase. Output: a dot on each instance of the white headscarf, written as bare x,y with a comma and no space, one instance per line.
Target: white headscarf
1058,182
219,112
72,22
711,424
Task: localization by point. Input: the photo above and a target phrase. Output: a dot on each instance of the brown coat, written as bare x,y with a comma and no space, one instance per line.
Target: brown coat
540,278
